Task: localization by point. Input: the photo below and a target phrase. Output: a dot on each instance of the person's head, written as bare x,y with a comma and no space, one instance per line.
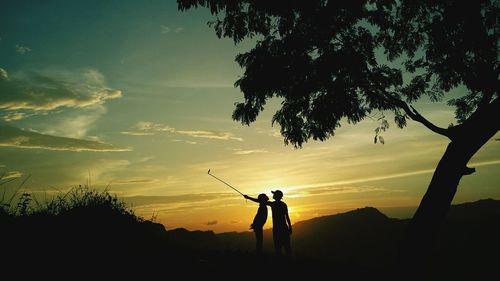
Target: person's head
277,194
262,198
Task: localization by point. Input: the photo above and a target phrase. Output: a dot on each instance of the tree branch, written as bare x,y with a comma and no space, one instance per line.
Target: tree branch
485,100
413,113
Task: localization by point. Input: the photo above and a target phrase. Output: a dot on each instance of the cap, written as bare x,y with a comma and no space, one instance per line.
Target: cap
278,193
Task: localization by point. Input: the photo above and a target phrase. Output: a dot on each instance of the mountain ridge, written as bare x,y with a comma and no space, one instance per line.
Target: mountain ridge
367,238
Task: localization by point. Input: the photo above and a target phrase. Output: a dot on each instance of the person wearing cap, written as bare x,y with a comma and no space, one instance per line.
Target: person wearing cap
259,220
282,227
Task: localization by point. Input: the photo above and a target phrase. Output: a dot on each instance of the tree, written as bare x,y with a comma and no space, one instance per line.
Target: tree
319,57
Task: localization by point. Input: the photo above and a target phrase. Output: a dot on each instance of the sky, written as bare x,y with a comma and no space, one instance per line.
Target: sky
137,97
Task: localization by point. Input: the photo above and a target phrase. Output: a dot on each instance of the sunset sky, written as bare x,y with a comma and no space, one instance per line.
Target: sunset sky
138,97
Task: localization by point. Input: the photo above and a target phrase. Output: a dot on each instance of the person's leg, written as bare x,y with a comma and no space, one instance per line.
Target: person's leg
287,245
277,243
259,241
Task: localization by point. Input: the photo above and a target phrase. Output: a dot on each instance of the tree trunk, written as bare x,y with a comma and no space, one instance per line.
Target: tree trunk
426,223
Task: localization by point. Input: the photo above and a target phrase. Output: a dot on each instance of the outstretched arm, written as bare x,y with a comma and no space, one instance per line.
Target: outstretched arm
251,198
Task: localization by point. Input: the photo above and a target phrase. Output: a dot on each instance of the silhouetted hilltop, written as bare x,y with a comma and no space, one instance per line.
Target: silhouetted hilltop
478,210
367,238
363,236
469,243
200,240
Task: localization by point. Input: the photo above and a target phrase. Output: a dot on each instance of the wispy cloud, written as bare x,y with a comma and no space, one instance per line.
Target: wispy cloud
14,116
485,163
305,192
38,93
134,181
153,127
210,135
249,151
346,186
150,128
185,141
75,124
270,132
182,198
197,84
12,175
166,29
20,49
329,185
129,133
14,137
214,222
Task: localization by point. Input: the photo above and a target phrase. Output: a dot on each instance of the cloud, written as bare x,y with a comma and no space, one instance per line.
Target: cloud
336,190
14,137
250,151
164,29
12,175
196,84
134,181
185,141
173,199
150,128
484,163
22,49
210,135
347,186
38,93
74,124
214,222
137,133
14,116
270,132
3,74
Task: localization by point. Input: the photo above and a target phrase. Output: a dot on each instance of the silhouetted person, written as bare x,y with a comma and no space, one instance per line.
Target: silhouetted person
282,227
259,220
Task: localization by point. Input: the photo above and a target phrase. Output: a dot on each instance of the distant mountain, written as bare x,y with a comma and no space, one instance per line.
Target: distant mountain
180,238
367,238
470,240
364,236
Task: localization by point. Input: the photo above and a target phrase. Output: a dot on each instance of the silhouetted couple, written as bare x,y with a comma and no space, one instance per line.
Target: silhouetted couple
282,227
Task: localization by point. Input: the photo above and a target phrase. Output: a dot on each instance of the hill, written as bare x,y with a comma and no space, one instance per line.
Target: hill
84,231
367,239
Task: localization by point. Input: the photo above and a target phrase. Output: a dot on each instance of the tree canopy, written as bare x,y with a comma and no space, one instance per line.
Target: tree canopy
319,56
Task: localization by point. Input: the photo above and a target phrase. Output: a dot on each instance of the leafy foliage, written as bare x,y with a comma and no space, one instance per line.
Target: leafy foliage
384,125
77,200
319,57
